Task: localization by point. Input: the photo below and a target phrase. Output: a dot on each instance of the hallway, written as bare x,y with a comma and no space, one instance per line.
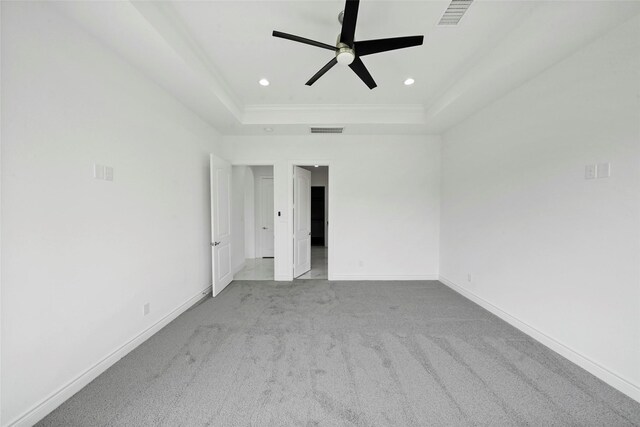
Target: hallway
319,264
256,269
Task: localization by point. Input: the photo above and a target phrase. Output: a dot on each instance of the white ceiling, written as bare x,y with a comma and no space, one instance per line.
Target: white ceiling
211,55
237,37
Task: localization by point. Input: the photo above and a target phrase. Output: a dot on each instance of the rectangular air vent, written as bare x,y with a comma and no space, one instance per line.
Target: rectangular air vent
454,12
326,130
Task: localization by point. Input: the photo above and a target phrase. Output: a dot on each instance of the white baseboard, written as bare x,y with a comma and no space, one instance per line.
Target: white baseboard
384,277
609,377
55,399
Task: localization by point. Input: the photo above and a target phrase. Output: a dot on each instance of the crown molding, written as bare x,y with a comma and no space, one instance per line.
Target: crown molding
163,17
413,114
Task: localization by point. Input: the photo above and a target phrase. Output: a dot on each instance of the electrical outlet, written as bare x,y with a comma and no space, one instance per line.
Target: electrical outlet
360,263
469,277
147,309
108,173
590,172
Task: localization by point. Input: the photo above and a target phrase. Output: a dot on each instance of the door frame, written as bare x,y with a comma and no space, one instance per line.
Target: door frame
330,234
259,253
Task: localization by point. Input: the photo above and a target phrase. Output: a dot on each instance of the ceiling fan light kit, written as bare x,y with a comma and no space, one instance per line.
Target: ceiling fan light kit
345,55
348,51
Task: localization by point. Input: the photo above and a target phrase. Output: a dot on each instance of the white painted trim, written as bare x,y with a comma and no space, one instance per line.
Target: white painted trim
55,399
0,236
252,163
412,114
384,277
606,375
167,23
336,107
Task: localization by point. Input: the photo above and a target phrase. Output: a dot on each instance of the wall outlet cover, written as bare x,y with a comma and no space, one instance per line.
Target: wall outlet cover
108,173
590,172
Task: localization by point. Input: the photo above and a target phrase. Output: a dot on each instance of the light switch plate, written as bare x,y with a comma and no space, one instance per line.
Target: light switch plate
108,173
604,170
590,171
98,171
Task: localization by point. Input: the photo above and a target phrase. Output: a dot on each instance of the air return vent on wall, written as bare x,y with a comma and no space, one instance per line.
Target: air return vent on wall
454,12
326,130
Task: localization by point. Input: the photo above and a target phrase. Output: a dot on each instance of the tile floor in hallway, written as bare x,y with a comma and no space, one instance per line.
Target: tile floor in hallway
319,264
256,269
263,269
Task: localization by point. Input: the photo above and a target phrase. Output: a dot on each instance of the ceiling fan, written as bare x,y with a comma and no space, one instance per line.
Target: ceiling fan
348,51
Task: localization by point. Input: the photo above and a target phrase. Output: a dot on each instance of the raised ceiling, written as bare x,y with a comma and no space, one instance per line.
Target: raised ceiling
237,37
211,55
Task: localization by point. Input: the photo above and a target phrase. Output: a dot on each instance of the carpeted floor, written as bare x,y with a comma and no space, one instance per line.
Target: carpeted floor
313,352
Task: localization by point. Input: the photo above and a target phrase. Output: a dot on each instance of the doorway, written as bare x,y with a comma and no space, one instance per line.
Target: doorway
311,217
253,220
317,216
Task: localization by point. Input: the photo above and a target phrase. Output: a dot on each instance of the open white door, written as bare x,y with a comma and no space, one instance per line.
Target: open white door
220,224
266,217
301,221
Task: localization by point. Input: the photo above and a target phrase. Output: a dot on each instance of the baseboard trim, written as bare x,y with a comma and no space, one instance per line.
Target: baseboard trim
609,377
384,277
55,399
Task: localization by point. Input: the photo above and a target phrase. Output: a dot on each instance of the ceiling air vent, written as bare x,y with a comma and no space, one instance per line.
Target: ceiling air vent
454,12
326,130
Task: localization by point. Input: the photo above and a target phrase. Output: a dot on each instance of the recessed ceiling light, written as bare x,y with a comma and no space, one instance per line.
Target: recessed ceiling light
409,82
263,82
268,129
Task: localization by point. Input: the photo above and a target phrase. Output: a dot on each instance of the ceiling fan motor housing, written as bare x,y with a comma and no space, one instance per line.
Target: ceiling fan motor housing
345,55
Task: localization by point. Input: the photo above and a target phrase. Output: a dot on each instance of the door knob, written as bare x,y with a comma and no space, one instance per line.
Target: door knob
265,228
215,243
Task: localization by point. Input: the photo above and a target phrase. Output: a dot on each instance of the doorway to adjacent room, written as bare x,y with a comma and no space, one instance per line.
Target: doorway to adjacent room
253,217
311,222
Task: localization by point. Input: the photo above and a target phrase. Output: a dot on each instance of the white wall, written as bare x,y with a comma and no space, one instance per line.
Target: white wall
384,201
559,253
81,256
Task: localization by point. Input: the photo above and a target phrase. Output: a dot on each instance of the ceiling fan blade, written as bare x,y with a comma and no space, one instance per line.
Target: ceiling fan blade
323,70
303,40
368,47
349,22
358,67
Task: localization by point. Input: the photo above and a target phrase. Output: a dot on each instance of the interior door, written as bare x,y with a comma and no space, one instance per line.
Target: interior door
220,224
266,217
301,221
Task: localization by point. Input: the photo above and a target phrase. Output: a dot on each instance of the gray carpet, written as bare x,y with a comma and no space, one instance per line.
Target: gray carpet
314,352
